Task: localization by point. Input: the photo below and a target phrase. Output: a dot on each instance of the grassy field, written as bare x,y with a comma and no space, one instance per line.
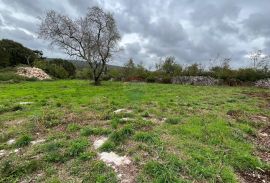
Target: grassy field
171,133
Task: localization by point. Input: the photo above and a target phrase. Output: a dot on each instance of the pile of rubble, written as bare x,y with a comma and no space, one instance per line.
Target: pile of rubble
195,80
32,72
263,83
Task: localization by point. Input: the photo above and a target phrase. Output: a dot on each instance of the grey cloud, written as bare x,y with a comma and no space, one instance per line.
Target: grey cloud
190,30
258,24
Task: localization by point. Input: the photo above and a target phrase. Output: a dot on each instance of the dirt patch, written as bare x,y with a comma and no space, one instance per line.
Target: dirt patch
122,165
254,177
235,113
155,120
264,155
71,118
259,119
15,122
264,95
264,137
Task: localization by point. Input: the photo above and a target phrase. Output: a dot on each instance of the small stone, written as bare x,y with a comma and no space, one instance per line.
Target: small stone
99,142
2,152
121,111
127,119
11,141
263,134
113,159
37,141
25,103
16,150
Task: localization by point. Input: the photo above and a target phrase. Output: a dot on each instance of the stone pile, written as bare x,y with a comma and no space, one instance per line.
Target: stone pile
263,83
195,80
32,72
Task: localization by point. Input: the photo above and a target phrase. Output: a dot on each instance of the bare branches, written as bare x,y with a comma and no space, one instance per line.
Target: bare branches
259,59
92,38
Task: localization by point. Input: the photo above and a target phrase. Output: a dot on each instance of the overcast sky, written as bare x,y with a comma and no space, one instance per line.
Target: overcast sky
191,30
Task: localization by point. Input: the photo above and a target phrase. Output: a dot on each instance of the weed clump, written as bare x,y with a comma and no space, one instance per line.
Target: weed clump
108,146
173,121
77,147
24,140
87,131
122,134
145,137
73,127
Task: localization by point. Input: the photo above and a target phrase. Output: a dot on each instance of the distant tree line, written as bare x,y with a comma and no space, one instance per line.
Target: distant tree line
14,54
169,68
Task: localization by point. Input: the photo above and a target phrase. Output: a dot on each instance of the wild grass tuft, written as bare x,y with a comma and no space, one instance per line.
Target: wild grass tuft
173,121
23,140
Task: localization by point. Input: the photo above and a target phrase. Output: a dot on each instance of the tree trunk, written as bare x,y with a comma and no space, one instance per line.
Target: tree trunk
97,81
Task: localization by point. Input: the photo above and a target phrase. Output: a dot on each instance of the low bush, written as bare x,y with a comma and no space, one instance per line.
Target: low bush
24,140
57,68
77,147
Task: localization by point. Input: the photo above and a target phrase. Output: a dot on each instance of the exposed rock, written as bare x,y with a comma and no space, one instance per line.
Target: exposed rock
3,152
195,80
99,142
11,141
32,72
263,83
259,118
25,103
126,119
122,111
37,141
113,159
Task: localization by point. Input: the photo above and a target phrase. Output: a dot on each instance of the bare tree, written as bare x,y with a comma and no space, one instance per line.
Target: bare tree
259,59
92,38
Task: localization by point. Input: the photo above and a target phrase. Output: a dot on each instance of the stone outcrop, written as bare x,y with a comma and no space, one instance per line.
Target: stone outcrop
263,83
195,80
33,72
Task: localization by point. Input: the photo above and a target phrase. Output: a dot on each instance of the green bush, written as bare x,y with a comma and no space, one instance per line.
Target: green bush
24,140
77,147
84,73
57,68
13,53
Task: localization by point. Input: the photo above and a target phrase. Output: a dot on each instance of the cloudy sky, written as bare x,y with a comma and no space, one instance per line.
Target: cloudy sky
191,30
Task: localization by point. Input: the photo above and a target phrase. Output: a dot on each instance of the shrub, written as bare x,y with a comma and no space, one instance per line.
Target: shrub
87,156
77,147
24,140
57,68
150,79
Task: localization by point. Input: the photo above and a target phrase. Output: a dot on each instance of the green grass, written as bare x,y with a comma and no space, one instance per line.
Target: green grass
205,137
